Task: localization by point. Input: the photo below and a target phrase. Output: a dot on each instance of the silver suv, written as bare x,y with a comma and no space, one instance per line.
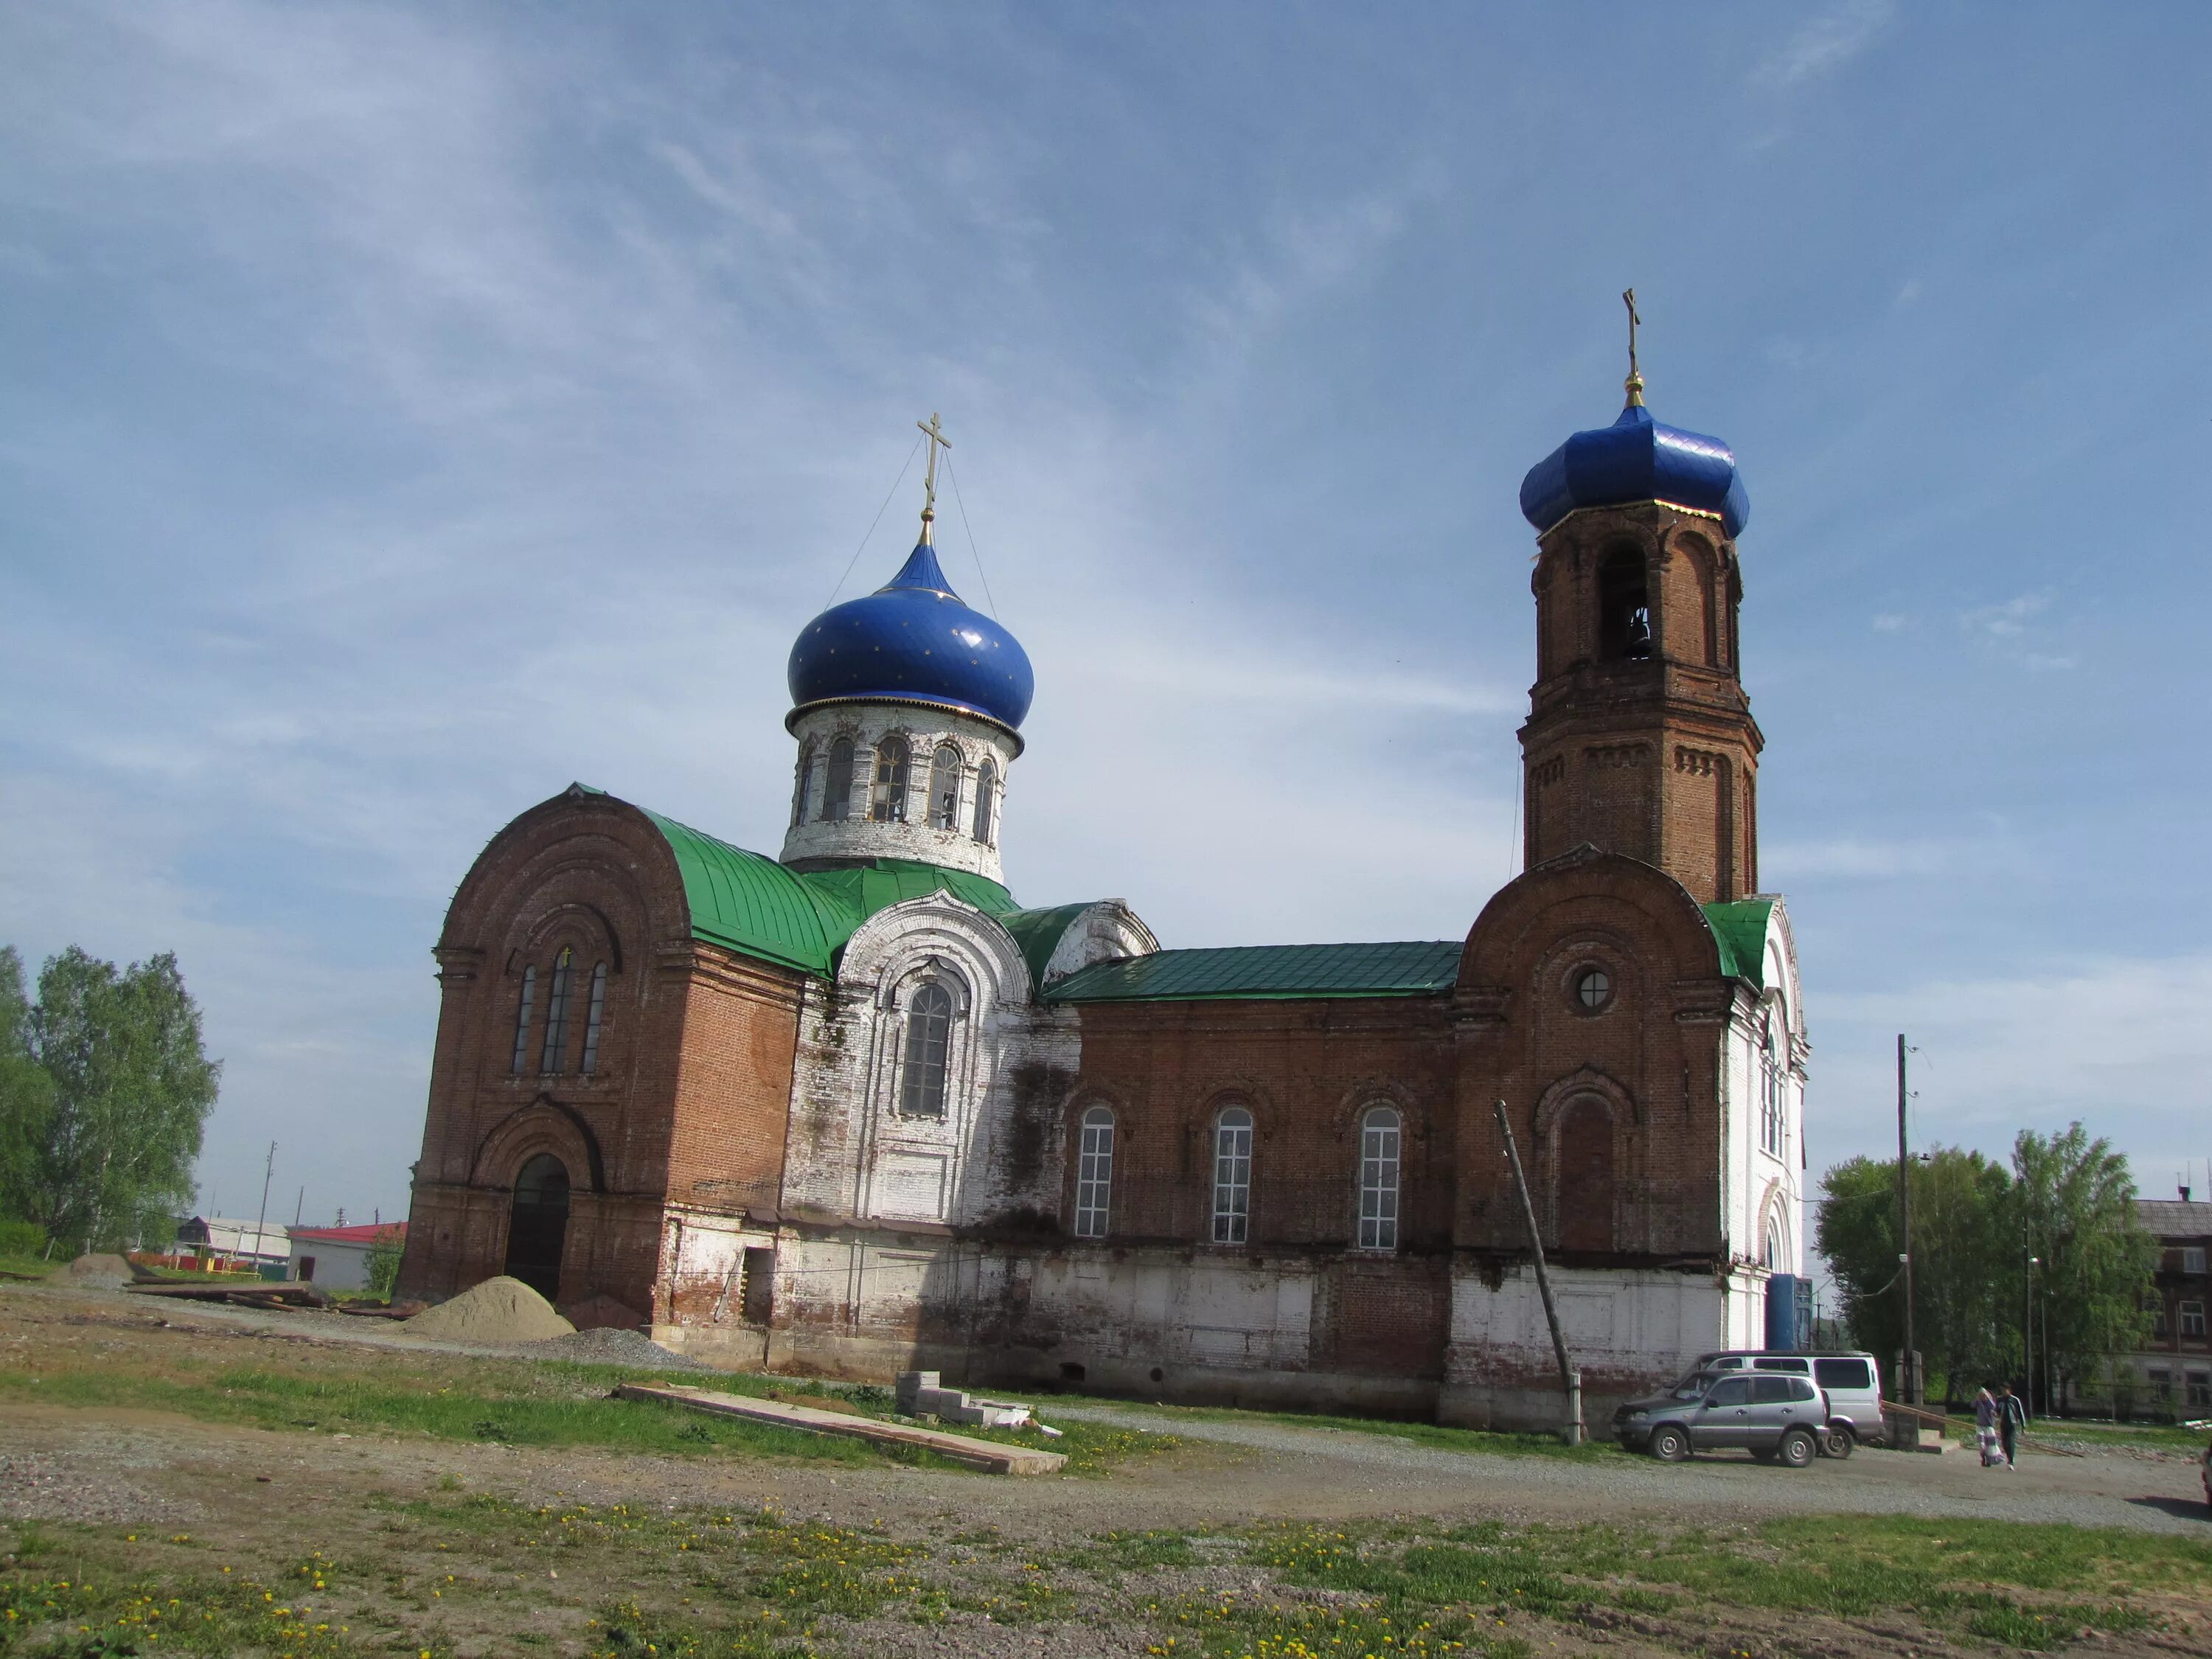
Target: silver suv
1777,1419
1852,1383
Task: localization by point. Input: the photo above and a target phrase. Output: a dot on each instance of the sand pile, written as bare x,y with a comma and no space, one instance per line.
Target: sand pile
608,1347
102,1273
498,1310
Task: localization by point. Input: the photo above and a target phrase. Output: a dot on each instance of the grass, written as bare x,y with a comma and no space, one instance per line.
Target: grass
30,1267
1477,1442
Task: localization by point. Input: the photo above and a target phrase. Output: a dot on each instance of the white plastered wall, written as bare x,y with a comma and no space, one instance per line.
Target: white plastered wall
911,835
1763,1190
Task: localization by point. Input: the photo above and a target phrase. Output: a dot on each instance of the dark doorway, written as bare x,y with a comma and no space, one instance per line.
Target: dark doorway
538,1226
1585,1209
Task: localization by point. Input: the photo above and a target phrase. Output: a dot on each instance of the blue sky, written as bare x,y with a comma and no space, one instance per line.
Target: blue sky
403,412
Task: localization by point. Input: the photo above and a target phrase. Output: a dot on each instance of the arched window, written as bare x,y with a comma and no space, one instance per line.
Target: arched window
987,789
1770,1255
1094,1173
557,1015
1624,606
929,1036
522,1020
592,1010
837,788
1379,1134
945,788
1584,1140
805,784
1769,1091
1232,1176
887,804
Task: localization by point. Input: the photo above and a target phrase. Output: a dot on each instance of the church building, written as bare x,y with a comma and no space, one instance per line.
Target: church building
855,1108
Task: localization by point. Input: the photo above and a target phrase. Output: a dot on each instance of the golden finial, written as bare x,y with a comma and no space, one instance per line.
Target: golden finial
1634,384
936,440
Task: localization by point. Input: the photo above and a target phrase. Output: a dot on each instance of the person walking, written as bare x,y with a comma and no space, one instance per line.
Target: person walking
1985,1426
2012,1418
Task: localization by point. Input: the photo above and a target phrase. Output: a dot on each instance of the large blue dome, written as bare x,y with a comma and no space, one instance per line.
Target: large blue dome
1636,460
913,641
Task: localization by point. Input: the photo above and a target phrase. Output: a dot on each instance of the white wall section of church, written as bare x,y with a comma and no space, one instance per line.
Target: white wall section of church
856,1153
1760,1184
908,831
1108,932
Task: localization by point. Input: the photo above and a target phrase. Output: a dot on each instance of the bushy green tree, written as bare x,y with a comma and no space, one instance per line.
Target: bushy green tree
2072,1205
383,1257
99,1143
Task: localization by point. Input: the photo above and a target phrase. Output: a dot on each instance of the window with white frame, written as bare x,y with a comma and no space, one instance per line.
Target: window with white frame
1381,1135
986,807
522,1020
556,1014
1771,1073
887,804
1232,1176
2200,1388
2192,1320
592,1010
928,1040
1094,1173
945,787
1769,1249
2192,1260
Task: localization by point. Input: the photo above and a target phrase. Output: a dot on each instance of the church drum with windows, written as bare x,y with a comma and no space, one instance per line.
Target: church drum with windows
854,1109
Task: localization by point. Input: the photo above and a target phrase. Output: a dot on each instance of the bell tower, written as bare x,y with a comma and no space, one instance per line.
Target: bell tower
1639,738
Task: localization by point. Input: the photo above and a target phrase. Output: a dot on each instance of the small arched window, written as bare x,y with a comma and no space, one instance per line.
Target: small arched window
887,804
1094,1173
837,788
986,790
1380,1136
522,1020
592,1010
1232,1176
556,1014
1624,606
945,788
1769,1249
928,1038
803,785
1770,1092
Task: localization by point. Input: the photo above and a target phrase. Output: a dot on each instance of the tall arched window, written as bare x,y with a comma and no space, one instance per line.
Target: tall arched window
1624,606
1769,1089
928,1037
1232,1176
1379,1134
887,804
1769,1250
1094,1173
804,785
945,788
987,790
837,788
522,1020
592,1010
557,1015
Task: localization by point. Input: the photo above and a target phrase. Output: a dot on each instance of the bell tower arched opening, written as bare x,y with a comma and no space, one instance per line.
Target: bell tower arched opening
537,1224
1624,606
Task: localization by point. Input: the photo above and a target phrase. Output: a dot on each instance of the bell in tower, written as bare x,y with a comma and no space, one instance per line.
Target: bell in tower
1639,737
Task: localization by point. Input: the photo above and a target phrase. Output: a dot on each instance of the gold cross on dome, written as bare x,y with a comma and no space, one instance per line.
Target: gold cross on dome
1634,384
937,440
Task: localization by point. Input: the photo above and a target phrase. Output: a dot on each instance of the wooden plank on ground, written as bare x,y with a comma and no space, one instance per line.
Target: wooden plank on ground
986,1455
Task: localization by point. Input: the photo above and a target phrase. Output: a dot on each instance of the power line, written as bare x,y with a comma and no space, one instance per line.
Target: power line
972,548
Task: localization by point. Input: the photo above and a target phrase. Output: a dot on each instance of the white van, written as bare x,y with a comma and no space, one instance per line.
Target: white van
1852,1383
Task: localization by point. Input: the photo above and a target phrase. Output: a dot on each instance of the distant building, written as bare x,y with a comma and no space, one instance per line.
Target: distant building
246,1244
2174,1368
337,1258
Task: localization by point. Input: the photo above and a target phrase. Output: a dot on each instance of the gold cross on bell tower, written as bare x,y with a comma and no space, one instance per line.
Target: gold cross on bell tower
1634,384
937,440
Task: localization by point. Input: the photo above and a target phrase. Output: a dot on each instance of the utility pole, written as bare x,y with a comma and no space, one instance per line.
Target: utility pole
268,1170
1912,1365
1570,1381
2027,1330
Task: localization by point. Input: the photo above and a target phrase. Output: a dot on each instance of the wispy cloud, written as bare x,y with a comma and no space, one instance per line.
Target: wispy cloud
1824,43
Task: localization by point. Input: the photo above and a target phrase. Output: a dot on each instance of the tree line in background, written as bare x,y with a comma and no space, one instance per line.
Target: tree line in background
2067,1201
105,1089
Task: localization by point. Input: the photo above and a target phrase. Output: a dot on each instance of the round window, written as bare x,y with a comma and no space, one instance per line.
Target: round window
1593,988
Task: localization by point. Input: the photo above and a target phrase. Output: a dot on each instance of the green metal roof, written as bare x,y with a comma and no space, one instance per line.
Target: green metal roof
1037,934
1412,967
748,903
1741,927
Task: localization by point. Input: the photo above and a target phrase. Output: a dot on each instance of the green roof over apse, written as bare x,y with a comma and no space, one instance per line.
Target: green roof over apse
747,903
1037,934
1741,927
1412,967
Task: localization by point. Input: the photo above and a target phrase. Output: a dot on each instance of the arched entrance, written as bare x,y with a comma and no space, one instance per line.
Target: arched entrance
1585,1166
537,1226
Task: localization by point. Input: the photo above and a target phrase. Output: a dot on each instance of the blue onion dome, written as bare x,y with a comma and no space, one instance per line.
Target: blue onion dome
913,641
1636,460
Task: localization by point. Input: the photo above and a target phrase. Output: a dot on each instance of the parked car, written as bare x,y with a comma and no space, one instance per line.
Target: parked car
1777,1419
1852,1383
